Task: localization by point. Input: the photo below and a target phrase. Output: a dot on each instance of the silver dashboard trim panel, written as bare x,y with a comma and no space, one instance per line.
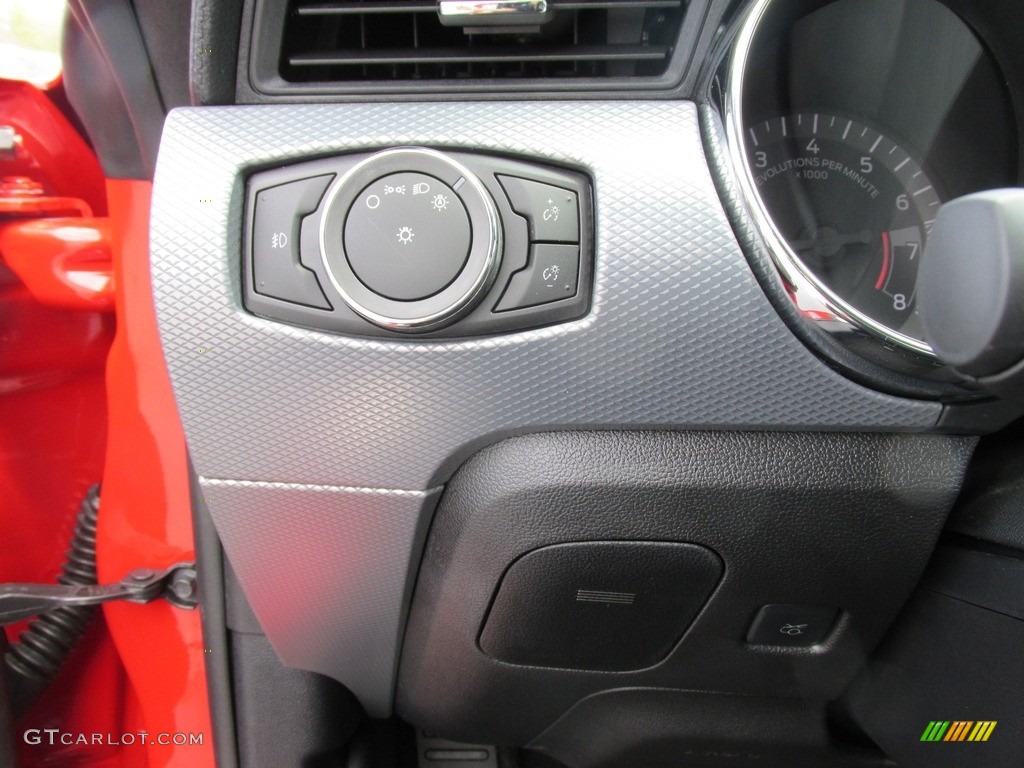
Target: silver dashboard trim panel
679,336
332,585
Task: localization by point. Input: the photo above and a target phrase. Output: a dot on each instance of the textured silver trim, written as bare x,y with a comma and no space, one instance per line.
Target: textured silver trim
219,482
816,300
680,335
332,581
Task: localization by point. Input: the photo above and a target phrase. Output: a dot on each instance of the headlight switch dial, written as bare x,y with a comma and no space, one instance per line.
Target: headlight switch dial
410,239
413,240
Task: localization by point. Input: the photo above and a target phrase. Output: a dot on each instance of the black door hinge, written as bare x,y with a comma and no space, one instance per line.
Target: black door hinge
177,584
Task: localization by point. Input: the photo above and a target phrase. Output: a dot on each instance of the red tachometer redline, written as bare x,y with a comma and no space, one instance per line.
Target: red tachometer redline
886,262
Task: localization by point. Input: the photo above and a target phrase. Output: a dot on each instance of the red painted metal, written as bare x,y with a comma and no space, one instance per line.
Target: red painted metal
155,681
23,196
62,262
53,419
29,207
139,668
48,150
145,517
86,698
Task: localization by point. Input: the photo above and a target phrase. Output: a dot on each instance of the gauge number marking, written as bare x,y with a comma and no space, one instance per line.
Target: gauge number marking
854,207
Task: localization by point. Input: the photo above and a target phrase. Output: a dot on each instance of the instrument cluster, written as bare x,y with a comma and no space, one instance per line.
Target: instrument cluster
848,124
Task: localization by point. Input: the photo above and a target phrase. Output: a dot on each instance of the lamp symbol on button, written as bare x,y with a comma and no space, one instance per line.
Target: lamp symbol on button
551,212
550,275
405,235
440,202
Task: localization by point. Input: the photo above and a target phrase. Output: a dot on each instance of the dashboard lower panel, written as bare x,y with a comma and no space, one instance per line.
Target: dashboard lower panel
839,522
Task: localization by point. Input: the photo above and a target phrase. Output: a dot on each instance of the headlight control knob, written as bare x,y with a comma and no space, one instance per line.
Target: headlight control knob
410,238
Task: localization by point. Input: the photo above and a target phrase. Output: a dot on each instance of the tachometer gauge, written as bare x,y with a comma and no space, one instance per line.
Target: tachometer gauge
854,206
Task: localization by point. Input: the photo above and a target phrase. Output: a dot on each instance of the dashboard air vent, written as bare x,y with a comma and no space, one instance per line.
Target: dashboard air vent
407,40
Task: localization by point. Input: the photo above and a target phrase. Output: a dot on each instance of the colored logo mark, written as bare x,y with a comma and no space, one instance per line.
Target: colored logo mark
958,730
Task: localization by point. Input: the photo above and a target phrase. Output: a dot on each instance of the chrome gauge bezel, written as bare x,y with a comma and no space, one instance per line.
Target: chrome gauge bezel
816,302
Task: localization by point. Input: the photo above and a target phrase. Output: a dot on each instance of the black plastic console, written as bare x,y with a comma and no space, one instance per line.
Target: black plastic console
564,565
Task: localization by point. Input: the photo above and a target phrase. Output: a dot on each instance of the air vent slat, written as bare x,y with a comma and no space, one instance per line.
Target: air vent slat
456,56
350,41
352,8
349,7
611,4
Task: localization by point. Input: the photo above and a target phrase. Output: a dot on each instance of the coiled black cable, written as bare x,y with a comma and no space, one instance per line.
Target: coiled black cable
34,660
